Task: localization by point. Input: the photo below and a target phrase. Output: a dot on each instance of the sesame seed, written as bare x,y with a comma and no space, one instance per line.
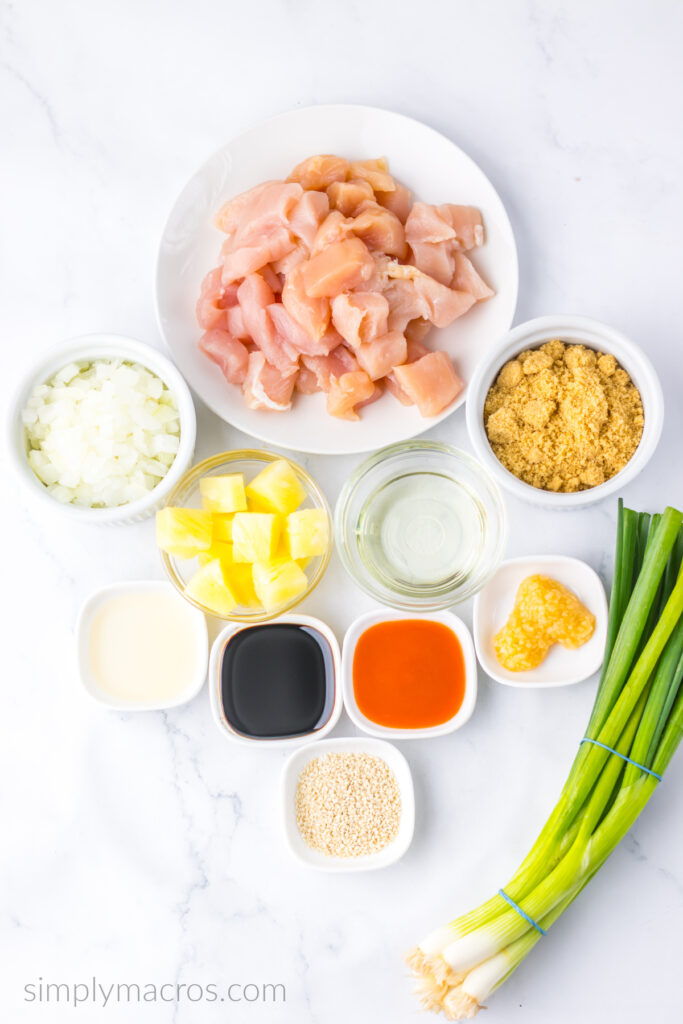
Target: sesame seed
347,805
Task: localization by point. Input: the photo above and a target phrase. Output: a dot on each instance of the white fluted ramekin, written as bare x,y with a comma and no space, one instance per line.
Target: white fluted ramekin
104,346
578,330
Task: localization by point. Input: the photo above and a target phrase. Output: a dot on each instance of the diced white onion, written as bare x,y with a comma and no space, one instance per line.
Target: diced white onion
101,434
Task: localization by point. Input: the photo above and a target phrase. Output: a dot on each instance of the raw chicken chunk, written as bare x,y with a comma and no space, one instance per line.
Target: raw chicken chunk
360,316
398,201
346,196
431,382
313,315
255,296
307,215
375,172
339,267
317,172
327,368
228,353
379,357
294,337
348,391
266,387
380,229
466,279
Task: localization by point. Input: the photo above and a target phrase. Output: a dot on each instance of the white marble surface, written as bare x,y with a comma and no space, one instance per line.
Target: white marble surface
143,847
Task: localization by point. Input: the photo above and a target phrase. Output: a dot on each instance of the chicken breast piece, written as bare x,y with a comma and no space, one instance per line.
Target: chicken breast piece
379,357
293,336
346,196
307,215
467,279
317,172
255,296
380,229
327,368
339,267
360,316
347,392
312,314
375,172
399,201
431,382
266,387
228,353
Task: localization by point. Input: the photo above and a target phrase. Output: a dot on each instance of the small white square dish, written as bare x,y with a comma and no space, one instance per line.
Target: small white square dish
360,627
562,666
314,858
141,647
277,683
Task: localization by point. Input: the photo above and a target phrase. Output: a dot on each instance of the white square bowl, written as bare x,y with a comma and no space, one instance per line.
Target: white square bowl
348,745
85,618
215,669
561,667
464,712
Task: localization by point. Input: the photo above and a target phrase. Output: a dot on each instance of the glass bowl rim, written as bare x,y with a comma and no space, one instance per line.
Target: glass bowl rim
347,553
194,474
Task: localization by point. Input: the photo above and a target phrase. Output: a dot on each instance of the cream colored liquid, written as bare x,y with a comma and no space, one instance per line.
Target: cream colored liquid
143,647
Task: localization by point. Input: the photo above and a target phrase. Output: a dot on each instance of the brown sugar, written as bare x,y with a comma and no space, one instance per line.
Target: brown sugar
563,417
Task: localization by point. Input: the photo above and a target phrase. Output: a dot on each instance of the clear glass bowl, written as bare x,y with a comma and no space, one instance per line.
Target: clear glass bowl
249,461
421,526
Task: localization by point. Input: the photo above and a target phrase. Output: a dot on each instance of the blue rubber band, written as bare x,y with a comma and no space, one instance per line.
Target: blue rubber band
515,906
623,757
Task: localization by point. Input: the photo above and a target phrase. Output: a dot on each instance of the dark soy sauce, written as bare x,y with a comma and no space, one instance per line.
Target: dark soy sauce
277,680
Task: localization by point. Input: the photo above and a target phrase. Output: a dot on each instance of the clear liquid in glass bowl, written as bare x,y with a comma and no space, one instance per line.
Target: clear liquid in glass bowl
421,525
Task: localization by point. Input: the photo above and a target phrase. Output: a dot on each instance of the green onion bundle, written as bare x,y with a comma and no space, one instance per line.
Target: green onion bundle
638,713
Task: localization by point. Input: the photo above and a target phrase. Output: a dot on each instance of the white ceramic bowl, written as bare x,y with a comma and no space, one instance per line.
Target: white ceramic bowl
436,171
579,330
561,667
348,745
353,634
84,621
105,346
215,663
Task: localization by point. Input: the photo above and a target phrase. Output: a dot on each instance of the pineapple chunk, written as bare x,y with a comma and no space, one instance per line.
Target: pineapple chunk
282,554
210,588
242,584
223,493
278,583
255,536
277,488
220,550
307,532
183,532
222,527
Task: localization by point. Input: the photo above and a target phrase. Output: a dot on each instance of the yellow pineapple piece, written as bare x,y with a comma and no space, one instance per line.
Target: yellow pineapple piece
183,532
210,588
223,493
222,527
307,532
242,584
283,555
278,583
255,536
220,550
277,488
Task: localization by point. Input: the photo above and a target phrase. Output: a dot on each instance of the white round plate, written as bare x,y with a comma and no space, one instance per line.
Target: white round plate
428,163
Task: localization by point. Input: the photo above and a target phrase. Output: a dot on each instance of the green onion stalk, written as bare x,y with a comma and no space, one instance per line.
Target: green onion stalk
638,712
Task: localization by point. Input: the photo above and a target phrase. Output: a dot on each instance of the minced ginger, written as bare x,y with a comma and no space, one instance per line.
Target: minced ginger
563,417
545,613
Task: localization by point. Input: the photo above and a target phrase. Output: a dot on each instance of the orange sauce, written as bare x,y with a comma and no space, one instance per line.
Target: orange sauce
408,673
